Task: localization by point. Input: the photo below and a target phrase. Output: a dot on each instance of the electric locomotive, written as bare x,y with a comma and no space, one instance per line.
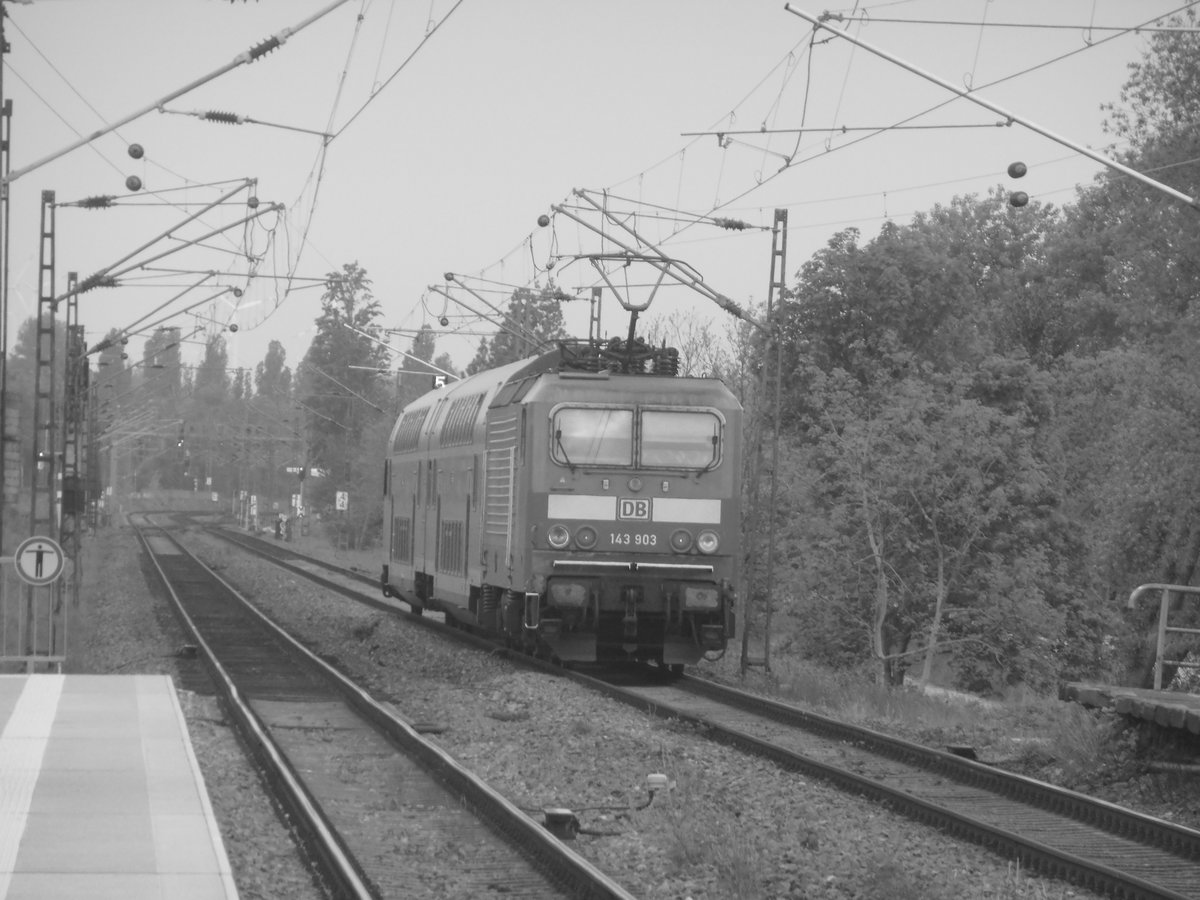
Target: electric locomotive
583,503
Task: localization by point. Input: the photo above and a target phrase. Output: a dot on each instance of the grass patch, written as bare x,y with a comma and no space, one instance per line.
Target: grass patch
700,835
1033,733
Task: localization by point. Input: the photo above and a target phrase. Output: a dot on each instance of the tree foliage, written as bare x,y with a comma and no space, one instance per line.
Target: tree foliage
340,388
988,434
419,370
531,323
993,406
272,377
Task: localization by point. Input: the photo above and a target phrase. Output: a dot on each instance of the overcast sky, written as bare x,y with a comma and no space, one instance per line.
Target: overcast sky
444,163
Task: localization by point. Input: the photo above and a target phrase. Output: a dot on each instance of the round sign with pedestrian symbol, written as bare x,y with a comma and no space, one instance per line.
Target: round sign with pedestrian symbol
39,560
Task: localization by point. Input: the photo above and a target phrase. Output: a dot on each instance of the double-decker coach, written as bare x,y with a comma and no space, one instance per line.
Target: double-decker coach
572,504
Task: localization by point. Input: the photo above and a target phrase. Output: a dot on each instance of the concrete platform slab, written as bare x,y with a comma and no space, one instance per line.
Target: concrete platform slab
101,795
1169,709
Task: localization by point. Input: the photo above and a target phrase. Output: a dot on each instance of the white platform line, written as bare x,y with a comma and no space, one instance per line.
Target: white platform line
22,746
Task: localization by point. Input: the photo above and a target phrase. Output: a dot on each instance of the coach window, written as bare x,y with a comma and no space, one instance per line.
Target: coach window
680,439
592,436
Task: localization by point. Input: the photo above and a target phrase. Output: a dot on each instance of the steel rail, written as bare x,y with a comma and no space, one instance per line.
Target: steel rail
552,856
319,836
1107,817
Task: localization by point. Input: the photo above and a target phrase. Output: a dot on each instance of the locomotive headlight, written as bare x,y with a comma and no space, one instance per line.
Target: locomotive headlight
681,540
585,537
558,536
708,542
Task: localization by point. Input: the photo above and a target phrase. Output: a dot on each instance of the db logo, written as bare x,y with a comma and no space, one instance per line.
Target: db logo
634,508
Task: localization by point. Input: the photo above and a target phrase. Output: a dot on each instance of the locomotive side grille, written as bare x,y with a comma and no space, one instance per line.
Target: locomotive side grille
451,548
499,505
501,470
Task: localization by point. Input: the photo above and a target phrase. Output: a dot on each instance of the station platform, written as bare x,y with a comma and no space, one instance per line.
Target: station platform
101,795
1169,709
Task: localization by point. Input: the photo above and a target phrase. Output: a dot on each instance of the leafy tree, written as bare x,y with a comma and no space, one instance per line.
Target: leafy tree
162,364
703,350
924,488
21,373
416,378
1127,259
1130,249
241,384
930,450
340,388
212,383
272,378
1133,469
939,293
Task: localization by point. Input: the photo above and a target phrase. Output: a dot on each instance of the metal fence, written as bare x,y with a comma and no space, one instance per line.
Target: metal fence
33,623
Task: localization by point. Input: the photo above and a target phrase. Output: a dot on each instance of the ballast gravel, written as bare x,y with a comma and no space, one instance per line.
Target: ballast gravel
726,826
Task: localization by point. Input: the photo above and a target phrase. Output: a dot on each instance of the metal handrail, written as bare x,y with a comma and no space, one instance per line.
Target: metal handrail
1163,627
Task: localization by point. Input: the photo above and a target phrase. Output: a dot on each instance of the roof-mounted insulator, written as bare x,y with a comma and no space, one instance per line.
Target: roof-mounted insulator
100,201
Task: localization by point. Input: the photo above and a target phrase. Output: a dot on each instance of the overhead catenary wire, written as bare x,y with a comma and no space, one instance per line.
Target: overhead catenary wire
254,53
501,324
349,390
130,331
390,349
375,93
845,129
974,97
680,154
1009,77
793,162
52,108
113,272
1025,26
132,327
316,174
825,151
229,118
276,264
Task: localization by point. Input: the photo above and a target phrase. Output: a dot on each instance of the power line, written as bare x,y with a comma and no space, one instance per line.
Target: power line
690,219
975,98
254,53
1147,29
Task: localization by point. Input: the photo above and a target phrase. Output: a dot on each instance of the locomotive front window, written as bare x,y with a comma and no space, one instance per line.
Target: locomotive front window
680,439
592,437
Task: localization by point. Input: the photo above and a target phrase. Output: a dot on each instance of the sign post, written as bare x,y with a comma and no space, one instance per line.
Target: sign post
41,633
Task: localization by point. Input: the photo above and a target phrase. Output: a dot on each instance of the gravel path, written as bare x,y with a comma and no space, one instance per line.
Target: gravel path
731,826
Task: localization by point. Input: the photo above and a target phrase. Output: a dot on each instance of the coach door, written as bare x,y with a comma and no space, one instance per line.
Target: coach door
425,516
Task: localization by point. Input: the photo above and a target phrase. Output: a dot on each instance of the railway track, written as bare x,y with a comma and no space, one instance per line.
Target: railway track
382,812
1058,832
1055,831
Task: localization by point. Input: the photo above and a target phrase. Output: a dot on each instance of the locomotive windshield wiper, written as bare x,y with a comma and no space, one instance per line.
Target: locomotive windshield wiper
713,462
558,442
